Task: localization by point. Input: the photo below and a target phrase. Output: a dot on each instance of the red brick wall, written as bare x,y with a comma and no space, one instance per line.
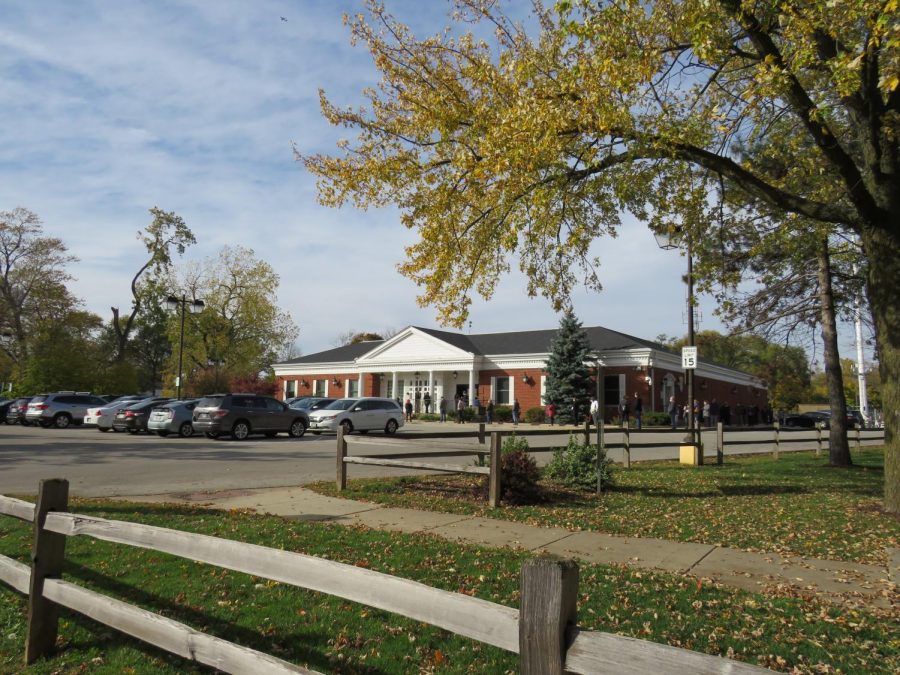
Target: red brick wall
370,384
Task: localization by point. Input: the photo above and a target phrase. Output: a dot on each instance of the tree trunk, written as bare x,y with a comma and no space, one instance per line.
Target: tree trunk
838,448
881,246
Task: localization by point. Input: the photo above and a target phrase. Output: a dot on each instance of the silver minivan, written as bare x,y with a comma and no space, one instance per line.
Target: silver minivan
368,413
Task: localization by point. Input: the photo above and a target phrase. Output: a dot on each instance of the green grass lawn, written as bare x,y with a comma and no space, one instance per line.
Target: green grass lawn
793,505
336,636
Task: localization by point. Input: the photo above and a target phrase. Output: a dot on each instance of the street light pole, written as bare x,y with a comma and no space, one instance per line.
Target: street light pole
196,306
667,240
692,420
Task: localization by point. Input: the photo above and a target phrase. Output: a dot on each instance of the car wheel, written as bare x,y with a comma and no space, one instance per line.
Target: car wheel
298,428
162,432
62,421
103,429
116,431
186,430
347,426
390,427
240,431
212,434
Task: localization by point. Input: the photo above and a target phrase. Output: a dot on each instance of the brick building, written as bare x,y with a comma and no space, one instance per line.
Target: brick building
505,366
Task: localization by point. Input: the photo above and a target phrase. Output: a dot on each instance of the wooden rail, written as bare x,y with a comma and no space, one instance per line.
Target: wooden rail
543,631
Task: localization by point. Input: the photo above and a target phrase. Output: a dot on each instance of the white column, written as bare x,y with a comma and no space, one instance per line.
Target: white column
394,384
360,388
471,385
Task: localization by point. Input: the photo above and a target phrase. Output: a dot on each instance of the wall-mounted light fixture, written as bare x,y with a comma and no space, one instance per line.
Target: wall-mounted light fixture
304,383
649,380
526,378
335,382
455,374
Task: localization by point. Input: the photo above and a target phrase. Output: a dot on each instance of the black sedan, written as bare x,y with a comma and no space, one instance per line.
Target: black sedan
134,418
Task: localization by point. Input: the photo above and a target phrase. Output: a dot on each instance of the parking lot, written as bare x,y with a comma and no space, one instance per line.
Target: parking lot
104,464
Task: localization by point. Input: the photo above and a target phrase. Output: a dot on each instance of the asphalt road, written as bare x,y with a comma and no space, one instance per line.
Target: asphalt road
108,464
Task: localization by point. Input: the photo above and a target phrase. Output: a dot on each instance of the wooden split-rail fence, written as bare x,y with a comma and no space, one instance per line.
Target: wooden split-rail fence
543,631
456,444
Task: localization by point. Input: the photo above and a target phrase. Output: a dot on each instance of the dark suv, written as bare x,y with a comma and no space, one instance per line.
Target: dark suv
61,409
243,414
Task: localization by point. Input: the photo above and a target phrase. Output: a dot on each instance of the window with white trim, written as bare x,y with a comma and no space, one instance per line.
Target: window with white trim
352,388
501,391
290,388
319,388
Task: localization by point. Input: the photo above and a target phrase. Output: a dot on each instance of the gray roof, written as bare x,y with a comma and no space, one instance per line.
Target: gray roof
520,342
345,353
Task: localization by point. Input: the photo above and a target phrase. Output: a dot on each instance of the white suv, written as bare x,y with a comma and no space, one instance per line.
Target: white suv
358,414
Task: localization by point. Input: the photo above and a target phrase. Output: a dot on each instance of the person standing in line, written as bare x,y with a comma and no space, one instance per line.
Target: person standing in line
409,408
713,413
489,411
460,410
427,401
442,408
706,411
624,410
551,413
673,412
594,411
515,412
638,410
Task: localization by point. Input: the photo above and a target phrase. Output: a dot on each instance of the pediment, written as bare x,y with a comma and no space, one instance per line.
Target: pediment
413,346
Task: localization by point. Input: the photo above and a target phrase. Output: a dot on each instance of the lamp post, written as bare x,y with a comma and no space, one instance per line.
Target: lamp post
196,306
667,240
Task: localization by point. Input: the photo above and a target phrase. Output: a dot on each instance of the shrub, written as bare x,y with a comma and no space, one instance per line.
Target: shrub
519,471
503,413
576,466
535,415
656,419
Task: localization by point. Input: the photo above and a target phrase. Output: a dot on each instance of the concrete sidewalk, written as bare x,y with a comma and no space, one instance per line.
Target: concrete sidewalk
847,584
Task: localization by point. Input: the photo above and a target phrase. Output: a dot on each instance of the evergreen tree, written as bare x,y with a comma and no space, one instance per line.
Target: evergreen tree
568,378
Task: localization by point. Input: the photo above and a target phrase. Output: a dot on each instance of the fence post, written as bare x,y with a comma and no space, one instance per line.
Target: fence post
720,443
818,438
858,444
549,590
626,447
47,553
587,432
495,477
777,427
341,465
481,433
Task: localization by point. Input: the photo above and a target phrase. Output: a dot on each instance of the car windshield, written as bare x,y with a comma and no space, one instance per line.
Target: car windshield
341,404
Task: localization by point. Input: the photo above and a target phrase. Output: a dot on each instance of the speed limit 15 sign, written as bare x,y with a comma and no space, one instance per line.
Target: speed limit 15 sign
688,357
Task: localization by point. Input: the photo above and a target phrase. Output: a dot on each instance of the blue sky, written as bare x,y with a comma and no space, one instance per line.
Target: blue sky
112,107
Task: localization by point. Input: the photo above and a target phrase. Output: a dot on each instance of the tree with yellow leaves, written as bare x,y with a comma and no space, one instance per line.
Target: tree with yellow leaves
532,144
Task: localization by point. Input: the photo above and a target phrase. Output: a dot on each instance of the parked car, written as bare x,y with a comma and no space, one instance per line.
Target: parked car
174,417
61,409
16,411
102,417
310,403
134,418
243,414
358,414
4,406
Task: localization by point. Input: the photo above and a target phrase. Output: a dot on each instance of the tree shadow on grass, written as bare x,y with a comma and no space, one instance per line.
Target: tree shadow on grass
305,647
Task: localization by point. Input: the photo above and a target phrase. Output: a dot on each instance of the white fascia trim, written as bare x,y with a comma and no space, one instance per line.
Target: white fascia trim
672,362
325,368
